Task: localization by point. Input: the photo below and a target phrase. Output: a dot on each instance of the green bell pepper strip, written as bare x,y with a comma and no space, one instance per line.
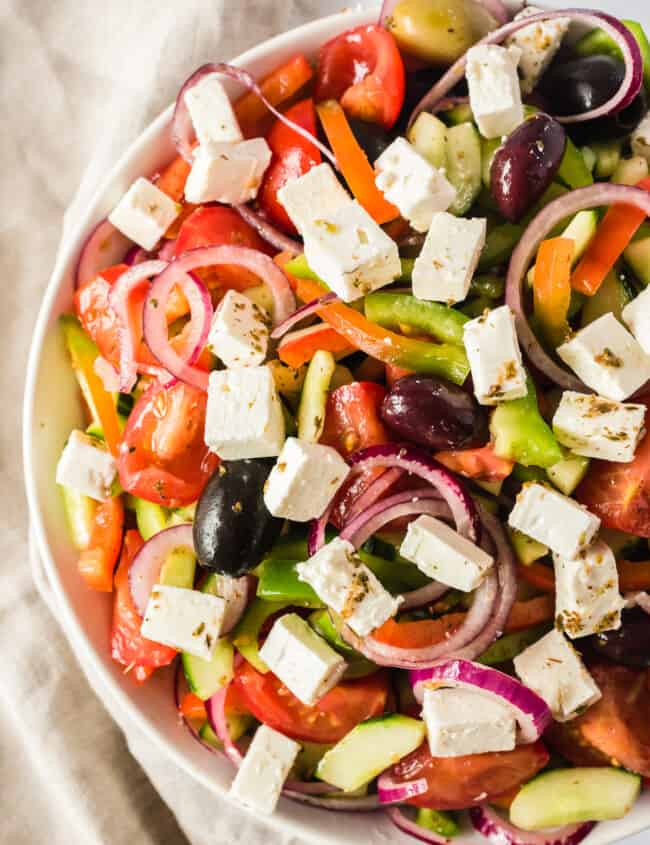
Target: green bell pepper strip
299,268
393,310
279,582
597,41
441,822
246,634
499,244
488,285
573,169
509,646
358,665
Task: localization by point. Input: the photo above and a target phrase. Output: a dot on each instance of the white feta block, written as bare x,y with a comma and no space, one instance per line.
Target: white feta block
184,619
239,334
607,358
442,554
261,776
351,252
539,44
412,184
641,139
304,480
495,357
345,584
636,316
244,416
87,466
598,428
553,519
587,598
227,173
317,193
144,213
211,111
302,660
448,259
462,721
494,91
552,668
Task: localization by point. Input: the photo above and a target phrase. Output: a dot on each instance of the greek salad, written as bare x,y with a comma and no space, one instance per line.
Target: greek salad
367,372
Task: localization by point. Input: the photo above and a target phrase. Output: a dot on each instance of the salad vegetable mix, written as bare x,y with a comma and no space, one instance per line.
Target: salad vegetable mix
367,373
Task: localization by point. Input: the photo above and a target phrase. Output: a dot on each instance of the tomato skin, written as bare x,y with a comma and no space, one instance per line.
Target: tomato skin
97,561
163,457
456,783
293,156
330,720
363,69
97,316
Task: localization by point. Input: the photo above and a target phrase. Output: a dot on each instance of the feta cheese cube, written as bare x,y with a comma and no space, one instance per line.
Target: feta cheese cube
412,184
463,721
317,193
239,334
244,416
553,519
598,428
607,358
447,261
87,466
261,776
442,554
345,584
494,92
539,44
184,619
144,213
494,357
641,139
351,252
211,111
587,596
302,660
304,480
227,173
552,668
636,316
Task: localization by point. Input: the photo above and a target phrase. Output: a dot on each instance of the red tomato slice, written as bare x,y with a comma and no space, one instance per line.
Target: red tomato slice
163,457
96,315
481,463
128,646
299,347
97,561
456,783
293,156
330,720
363,69
418,633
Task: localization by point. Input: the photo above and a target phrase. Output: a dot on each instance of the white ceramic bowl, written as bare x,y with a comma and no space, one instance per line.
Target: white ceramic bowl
52,409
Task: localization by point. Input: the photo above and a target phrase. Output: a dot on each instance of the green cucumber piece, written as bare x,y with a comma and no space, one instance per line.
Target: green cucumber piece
278,581
308,759
508,647
358,665
81,349
179,568
370,749
499,244
458,115
526,549
205,677
608,155
464,165
630,171
580,230
207,735
571,796
246,635
439,821
612,296
429,137
573,170
568,473
150,517
313,399
488,285
637,254
80,516
489,147
396,577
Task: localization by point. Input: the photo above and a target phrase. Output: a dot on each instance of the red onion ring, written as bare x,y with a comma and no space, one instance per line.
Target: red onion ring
108,374
179,677
266,230
118,298
215,708
391,791
236,592
305,310
182,129
167,250
641,600
361,804
145,569
624,39
136,255
316,536
375,491
403,823
500,832
567,205
104,247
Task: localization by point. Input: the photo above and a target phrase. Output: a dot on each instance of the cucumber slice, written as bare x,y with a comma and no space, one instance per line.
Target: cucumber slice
461,113
80,515
308,759
506,648
608,155
151,518
526,549
637,254
288,380
580,230
313,400
205,677
429,137
464,165
210,738
489,147
358,665
179,569
568,473
246,635
499,244
630,171
570,796
440,822
612,296
369,749
573,170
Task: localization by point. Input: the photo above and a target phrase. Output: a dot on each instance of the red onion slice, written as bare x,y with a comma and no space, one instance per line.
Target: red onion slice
145,569
601,194
136,255
375,491
641,600
500,832
301,313
532,713
236,592
215,708
167,250
406,825
351,804
623,38
391,791
104,247
108,374
266,230
182,129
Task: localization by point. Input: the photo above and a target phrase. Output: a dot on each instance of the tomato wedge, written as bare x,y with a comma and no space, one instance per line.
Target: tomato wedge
363,69
330,720
481,463
97,561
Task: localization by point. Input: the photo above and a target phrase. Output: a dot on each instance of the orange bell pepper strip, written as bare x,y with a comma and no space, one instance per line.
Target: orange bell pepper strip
537,575
615,232
300,348
528,614
552,287
192,707
281,84
395,373
172,178
353,162
419,633
480,463
97,561
632,576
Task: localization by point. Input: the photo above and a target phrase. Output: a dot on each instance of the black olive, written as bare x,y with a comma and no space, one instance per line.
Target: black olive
371,137
629,644
233,529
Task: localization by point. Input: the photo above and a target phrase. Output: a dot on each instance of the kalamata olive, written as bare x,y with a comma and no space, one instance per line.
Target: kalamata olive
434,413
372,137
524,166
233,529
611,127
629,645
583,84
